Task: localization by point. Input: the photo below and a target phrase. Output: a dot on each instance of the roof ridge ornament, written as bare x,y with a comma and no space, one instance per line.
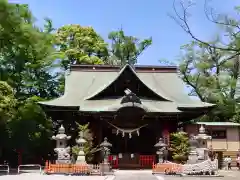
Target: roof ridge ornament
130,97
61,130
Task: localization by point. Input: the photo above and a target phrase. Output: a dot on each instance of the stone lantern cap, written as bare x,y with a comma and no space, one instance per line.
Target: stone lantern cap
160,143
81,139
105,143
202,135
61,134
193,141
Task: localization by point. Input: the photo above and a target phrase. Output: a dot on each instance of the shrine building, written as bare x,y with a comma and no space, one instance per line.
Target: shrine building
131,106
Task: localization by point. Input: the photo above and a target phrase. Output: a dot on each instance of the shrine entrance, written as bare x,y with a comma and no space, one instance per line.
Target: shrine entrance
133,139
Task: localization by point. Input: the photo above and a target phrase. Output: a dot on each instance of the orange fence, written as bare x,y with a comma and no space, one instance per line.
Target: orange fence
167,168
147,160
71,169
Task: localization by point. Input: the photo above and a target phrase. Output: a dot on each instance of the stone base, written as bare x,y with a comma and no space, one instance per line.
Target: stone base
105,168
192,158
81,160
63,161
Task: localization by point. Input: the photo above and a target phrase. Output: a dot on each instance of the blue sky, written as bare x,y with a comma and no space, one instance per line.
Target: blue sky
137,17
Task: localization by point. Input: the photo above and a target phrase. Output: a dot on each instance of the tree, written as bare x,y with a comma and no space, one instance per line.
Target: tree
201,68
179,146
211,68
126,49
30,130
80,45
27,54
230,25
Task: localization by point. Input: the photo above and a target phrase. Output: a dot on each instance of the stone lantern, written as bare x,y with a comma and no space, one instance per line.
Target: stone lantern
63,152
202,139
193,155
161,147
81,155
105,146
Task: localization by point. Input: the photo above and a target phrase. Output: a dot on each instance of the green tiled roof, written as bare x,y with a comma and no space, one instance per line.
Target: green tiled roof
219,123
81,85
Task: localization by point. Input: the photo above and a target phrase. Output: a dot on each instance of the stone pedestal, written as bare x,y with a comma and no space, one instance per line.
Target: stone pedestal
81,158
105,168
192,157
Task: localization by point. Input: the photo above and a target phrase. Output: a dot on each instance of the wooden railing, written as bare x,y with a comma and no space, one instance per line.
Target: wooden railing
146,161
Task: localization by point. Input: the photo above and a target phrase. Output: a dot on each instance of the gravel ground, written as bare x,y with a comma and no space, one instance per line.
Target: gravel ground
53,177
227,175
134,175
121,175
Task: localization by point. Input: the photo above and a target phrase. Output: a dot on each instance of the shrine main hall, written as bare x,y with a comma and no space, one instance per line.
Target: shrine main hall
133,106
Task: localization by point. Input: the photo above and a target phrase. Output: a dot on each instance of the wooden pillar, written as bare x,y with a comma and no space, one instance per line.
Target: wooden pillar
100,130
166,133
19,154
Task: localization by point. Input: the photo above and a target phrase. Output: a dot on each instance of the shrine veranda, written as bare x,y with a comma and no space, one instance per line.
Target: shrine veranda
132,106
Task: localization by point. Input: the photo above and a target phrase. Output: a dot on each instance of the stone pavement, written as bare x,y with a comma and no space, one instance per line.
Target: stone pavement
227,175
32,176
134,175
122,175
147,175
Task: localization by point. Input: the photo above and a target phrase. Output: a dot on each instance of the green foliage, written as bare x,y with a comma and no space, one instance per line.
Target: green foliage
211,68
80,45
179,146
30,129
211,78
126,49
27,54
7,102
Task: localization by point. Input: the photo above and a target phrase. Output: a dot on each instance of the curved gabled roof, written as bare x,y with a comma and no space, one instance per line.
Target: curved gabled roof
157,91
82,84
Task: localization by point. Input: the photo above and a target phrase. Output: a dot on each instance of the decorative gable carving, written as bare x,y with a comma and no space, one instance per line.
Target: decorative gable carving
130,97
